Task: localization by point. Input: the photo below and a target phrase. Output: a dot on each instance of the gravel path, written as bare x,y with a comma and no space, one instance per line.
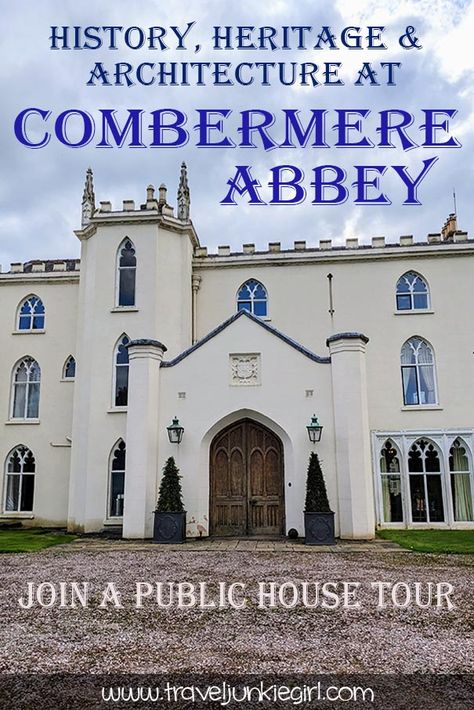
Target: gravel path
151,639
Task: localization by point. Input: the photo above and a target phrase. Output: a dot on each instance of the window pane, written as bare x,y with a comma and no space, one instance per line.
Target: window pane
410,393
427,385
420,300
70,370
462,498
418,502
19,400
127,287
122,352
392,499
121,386
260,292
116,493
245,306
435,499
33,401
27,489
38,322
260,308
24,323
13,491
403,303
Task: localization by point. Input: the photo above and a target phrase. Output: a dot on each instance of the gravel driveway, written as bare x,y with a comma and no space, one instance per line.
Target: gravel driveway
150,639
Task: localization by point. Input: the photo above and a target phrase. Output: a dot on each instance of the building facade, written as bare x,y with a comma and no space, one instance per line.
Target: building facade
101,354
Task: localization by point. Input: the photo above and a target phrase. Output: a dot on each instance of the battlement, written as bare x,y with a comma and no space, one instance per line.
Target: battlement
37,266
329,245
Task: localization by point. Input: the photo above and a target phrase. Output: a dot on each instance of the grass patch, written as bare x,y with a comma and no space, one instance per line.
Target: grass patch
31,540
440,541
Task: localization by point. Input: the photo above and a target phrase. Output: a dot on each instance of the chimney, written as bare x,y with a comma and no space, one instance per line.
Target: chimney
449,228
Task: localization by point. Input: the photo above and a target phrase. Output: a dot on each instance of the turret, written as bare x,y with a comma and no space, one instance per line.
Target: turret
184,200
88,199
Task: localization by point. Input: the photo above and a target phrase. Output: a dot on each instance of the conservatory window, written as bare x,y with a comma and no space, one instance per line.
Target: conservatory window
460,473
117,480
391,484
424,469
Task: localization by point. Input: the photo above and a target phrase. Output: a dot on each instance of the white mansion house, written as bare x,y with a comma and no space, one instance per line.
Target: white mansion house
100,356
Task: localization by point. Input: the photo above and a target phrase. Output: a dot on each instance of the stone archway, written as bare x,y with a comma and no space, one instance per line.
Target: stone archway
246,481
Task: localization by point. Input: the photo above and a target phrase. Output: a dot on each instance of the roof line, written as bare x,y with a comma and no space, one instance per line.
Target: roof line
274,331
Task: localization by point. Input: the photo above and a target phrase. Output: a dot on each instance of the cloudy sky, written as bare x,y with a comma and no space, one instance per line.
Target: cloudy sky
41,190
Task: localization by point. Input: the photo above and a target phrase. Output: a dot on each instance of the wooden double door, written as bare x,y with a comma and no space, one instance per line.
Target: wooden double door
246,481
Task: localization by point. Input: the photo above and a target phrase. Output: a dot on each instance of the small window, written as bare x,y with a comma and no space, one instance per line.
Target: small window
126,276
26,389
69,369
252,297
121,372
117,480
31,314
412,293
461,474
418,373
19,480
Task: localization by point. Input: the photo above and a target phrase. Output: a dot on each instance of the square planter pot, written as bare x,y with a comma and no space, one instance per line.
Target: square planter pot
319,529
169,527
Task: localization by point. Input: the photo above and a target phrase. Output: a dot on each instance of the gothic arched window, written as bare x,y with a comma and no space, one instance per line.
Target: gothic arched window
26,389
126,274
31,314
117,479
391,483
19,480
460,469
121,372
418,372
424,470
252,297
412,293
69,369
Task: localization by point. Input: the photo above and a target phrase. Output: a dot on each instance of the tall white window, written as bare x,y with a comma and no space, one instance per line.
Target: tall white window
19,480
126,274
121,372
31,314
26,389
412,293
252,297
424,471
418,372
461,473
117,480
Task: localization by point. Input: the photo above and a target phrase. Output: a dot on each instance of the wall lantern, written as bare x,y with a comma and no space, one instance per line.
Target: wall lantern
314,430
175,431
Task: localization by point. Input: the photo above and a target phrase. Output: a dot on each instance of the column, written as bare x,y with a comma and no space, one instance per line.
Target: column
352,434
145,358
196,282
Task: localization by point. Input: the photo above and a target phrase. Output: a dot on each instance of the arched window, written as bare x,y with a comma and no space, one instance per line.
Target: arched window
69,369
31,314
252,297
26,389
126,274
424,470
391,483
460,470
121,372
117,480
418,372
19,480
412,293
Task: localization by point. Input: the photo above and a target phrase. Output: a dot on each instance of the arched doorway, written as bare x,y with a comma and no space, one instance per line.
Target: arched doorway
246,481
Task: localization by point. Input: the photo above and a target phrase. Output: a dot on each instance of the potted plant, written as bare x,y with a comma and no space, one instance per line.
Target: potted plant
318,516
170,516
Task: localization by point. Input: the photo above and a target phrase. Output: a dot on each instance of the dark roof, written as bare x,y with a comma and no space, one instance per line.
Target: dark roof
292,343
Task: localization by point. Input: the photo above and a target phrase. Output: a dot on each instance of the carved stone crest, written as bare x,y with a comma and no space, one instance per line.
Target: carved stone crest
245,369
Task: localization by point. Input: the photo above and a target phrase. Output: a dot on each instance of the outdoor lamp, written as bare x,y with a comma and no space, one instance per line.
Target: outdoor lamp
175,431
314,430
